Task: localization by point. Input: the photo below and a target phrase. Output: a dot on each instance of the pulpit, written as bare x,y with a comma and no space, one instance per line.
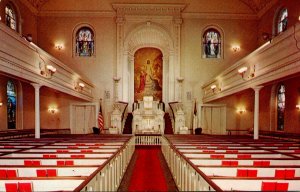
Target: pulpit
148,118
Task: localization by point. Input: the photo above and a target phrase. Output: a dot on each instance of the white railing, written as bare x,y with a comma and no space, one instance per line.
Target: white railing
110,176
147,139
184,175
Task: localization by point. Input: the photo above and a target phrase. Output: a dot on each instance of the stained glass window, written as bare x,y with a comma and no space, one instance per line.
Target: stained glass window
11,105
211,44
84,42
280,107
282,21
10,17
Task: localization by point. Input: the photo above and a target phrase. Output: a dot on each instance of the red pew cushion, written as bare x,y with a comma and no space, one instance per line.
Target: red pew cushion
41,172
11,173
25,187
11,187
282,186
280,174
52,172
289,173
242,173
268,186
3,174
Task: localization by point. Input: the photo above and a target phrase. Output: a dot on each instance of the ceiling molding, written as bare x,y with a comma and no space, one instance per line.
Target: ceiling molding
149,9
259,7
77,13
231,16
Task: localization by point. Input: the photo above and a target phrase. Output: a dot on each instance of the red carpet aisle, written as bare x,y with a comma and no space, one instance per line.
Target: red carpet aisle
148,174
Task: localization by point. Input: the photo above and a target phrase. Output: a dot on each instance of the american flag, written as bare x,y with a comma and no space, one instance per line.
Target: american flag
100,119
195,108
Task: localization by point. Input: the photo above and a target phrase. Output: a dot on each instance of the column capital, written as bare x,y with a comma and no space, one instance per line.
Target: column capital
257,88
36,85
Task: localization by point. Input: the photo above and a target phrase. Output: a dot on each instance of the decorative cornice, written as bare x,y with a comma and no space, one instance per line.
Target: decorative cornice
149,9
76,14
259,7
231,16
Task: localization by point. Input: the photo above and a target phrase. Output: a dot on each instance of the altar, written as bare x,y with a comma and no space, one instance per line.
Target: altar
148,117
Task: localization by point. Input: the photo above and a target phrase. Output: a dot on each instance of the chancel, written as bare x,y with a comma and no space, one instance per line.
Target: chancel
143,95
148,118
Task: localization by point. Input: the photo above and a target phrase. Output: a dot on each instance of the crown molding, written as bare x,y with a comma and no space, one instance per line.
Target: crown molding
33,9
231,16
149,9
77,14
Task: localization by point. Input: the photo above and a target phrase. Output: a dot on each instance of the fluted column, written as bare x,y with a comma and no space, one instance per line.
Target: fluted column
180,81
116,90
37,110
256,112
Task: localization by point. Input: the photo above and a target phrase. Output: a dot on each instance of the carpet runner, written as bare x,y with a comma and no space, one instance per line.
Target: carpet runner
147,173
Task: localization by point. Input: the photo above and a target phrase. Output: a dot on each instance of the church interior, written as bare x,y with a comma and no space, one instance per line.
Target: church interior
191,95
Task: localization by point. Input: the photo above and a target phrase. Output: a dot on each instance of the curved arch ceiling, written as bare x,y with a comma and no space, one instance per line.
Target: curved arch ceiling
254,6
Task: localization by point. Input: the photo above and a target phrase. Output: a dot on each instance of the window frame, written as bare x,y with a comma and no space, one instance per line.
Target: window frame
280,117
220,42
281,25
75,40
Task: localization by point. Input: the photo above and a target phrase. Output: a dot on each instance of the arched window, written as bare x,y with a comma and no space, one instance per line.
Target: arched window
11,105
282,20
85,42
10,17
280,107
211,43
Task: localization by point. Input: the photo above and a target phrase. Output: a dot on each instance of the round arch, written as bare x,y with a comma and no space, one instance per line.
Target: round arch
222,36
149,34
75,30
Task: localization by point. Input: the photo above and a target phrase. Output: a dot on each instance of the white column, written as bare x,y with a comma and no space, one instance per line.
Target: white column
116,90
180,81
256,111
37,109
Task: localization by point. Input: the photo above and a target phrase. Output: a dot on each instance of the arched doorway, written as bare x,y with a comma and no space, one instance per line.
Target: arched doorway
148,73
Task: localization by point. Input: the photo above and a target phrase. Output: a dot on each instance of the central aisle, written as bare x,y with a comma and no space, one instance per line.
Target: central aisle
148,172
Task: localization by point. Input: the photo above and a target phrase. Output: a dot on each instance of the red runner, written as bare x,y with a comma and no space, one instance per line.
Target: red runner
148,174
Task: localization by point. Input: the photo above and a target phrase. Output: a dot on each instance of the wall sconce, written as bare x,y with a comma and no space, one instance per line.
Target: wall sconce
28,38
116,79
59,46
267,36
236,48
298,107
241,111
1,104
213,88
48,70
242,71
52,110
180,79
79,86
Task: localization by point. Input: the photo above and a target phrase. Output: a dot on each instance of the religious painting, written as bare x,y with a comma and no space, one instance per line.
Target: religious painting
148,71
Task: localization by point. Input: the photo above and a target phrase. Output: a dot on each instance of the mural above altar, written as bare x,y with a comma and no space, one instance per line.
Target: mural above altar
148,117
148,78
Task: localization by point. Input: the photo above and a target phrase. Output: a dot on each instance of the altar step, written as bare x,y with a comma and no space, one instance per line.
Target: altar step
168,124
128,124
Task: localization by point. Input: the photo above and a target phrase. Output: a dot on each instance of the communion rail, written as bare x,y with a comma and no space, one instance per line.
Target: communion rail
148,139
